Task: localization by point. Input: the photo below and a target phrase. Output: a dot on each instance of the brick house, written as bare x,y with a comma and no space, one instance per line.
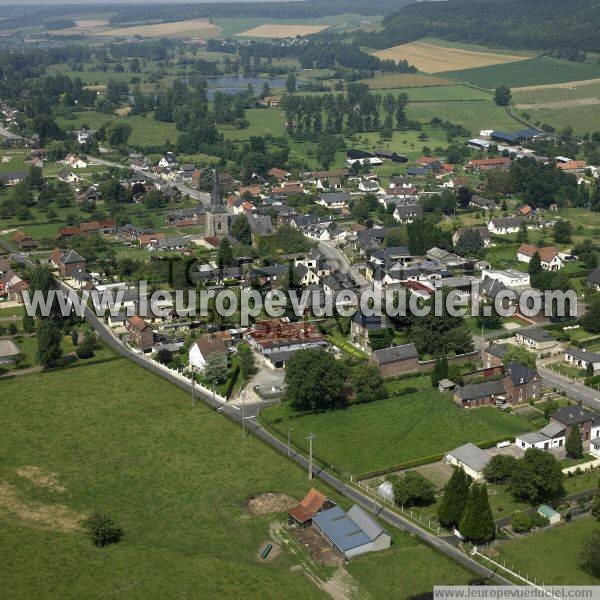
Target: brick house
396,360
521,383
67,261
493,355
141,333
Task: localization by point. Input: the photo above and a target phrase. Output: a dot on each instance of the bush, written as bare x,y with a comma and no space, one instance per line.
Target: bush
101,529
87,347
521,524
539,520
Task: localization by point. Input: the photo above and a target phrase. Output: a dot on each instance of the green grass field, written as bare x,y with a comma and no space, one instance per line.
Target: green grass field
439,93
552,557
175,478
475,115
146,131
557,94
583,119
262,121
535,71
395,430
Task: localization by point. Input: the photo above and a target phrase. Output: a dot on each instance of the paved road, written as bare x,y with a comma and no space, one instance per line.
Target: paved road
576,391
235,414
337,258
7,133
203,197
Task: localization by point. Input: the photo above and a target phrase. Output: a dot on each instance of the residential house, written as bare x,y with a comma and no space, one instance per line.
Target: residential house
368,186
67,261
581,358
205,346
549,257
362,326
593,279
572,166
270,101
278,174
521,384
141,333
555,434
408,213
334,200
527,212
13,177
470,458
396,360
493,354
277,340
168,161
482,203
24,241
390,155
505,225
486,164
68,176
535,339
509,278
480,394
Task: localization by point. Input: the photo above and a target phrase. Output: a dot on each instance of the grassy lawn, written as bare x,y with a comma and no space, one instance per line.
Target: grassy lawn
395,430
568,370
132,446
439,93
557,94
535,71
581,118
552,556
17,311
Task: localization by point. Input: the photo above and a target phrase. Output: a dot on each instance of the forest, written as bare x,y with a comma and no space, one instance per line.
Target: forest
549,25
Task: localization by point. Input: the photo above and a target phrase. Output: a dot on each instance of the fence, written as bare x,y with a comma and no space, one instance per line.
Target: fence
413,515
586,466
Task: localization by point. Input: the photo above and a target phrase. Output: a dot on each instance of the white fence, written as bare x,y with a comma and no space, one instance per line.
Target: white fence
586,466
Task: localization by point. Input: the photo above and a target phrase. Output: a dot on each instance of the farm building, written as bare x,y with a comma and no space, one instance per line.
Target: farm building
313,503
352,533
470,458
396,360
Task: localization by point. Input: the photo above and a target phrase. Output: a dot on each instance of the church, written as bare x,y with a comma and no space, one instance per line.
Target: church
217,217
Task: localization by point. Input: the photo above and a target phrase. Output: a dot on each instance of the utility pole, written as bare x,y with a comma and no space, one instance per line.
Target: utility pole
193,386
310,438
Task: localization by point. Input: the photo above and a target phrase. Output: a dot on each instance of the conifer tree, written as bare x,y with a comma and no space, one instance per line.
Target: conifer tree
477,523
574,443
456,493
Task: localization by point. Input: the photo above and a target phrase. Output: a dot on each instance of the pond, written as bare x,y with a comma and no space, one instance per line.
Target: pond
232,84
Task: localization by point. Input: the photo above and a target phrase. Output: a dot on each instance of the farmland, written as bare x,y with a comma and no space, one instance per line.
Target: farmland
398,429
432,58
276,30
404,80
474,115
133,446
196,27
534,71
581,118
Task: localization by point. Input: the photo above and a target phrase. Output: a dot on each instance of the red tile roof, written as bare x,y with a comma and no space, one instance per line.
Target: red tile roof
309,506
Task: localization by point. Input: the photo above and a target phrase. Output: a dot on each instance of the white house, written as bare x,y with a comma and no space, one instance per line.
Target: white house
504,225
535,339
470,458
407,213
204,346
168,161
509,277
581,358
549,257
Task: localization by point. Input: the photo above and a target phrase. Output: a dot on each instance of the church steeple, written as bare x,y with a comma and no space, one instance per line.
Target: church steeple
216,199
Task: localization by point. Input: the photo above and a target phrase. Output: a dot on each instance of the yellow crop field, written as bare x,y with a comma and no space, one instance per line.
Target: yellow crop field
282,30
430,58
404,80
197,27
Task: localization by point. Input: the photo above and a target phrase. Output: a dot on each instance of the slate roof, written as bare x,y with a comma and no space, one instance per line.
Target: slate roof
537,335
594,277
472,456
474,391
520,374
498,350
583,354
572,415
388,355
8,348
553,428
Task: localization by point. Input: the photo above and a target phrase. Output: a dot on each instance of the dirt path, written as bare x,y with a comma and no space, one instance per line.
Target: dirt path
560,103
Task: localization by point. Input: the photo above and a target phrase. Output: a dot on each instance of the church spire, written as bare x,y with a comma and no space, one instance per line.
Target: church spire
216,199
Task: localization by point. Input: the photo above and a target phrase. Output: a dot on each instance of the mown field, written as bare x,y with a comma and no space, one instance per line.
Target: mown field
175,478
439,93
146,131
583,119
552,557
565,92
389,432
262,121
474,115
535,71
191,27
432,58
404,80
